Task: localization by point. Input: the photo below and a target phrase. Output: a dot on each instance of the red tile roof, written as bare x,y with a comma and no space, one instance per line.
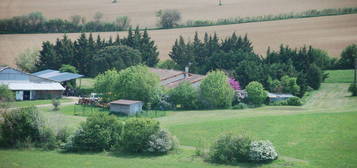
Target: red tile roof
165,74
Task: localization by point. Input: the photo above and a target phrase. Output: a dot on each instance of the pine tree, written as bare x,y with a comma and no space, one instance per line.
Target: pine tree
148,50
48,58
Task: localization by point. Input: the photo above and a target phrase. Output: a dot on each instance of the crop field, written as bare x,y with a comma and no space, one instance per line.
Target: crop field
331,33
143,12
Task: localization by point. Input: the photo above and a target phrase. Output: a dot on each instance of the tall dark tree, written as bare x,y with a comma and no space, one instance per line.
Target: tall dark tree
148,50
48,58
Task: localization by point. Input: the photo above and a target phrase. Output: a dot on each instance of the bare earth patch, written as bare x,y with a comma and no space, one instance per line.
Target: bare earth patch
142,12
331,33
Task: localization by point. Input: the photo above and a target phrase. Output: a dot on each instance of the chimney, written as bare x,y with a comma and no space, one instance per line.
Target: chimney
186,71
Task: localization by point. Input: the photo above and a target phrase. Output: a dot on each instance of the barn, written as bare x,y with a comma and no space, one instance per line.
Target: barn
29,87
128,107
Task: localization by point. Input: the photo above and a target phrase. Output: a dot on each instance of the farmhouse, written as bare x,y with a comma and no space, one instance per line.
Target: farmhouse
28,86
172,78
129,107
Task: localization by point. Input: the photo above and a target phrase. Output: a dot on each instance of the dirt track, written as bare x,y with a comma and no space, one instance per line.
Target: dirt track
142,12
331,33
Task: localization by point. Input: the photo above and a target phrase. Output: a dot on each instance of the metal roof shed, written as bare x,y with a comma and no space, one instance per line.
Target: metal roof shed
128,107
57,75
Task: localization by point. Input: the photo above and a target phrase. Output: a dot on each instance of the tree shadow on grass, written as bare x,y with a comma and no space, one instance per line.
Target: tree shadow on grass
135,155
244,164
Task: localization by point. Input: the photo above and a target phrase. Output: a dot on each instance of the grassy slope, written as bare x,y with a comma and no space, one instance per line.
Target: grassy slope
319,134
340,76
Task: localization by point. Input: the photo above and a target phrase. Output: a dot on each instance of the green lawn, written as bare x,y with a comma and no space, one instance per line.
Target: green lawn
320,134
322,140
340,76
36,102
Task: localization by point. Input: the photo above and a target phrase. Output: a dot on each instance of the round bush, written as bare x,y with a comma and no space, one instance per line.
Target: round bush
261,151
161,142
230,149
20,125
294,101
99,132
137,132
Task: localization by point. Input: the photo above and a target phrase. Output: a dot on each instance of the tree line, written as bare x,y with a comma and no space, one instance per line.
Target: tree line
235,55
93,56
35,22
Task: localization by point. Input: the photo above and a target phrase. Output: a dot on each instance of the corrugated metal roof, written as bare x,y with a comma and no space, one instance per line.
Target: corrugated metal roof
57,75
276,95
126,102
35,86
2,67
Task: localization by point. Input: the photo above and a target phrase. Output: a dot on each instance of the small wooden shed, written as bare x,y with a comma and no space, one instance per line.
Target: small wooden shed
129,107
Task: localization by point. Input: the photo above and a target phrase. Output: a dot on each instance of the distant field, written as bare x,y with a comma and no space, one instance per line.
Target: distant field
143,12
340,76
331,33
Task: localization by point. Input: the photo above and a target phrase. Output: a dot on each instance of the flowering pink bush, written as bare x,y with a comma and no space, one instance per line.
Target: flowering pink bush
234,84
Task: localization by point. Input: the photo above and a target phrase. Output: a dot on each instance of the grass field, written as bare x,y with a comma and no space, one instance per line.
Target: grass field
319,134
36,102
143,12
331,33
340,76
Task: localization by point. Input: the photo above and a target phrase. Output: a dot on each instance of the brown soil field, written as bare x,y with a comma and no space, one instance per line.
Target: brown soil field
331,33
142,12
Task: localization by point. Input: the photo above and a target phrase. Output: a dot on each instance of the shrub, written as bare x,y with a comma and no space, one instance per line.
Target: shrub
6,96
353,89
21,125
63,134
348,56
100,132
240,106
261,151
168,18
279,103
230,149
184,95
289,85
26,60
137,83
168,64
161,142
47,139
256,93
294,101
314,76
24,127
56,103
216,91
137,132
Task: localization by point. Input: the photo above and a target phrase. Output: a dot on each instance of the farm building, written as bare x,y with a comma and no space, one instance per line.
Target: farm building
65,78
29,87
278,96
172,78
129,107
